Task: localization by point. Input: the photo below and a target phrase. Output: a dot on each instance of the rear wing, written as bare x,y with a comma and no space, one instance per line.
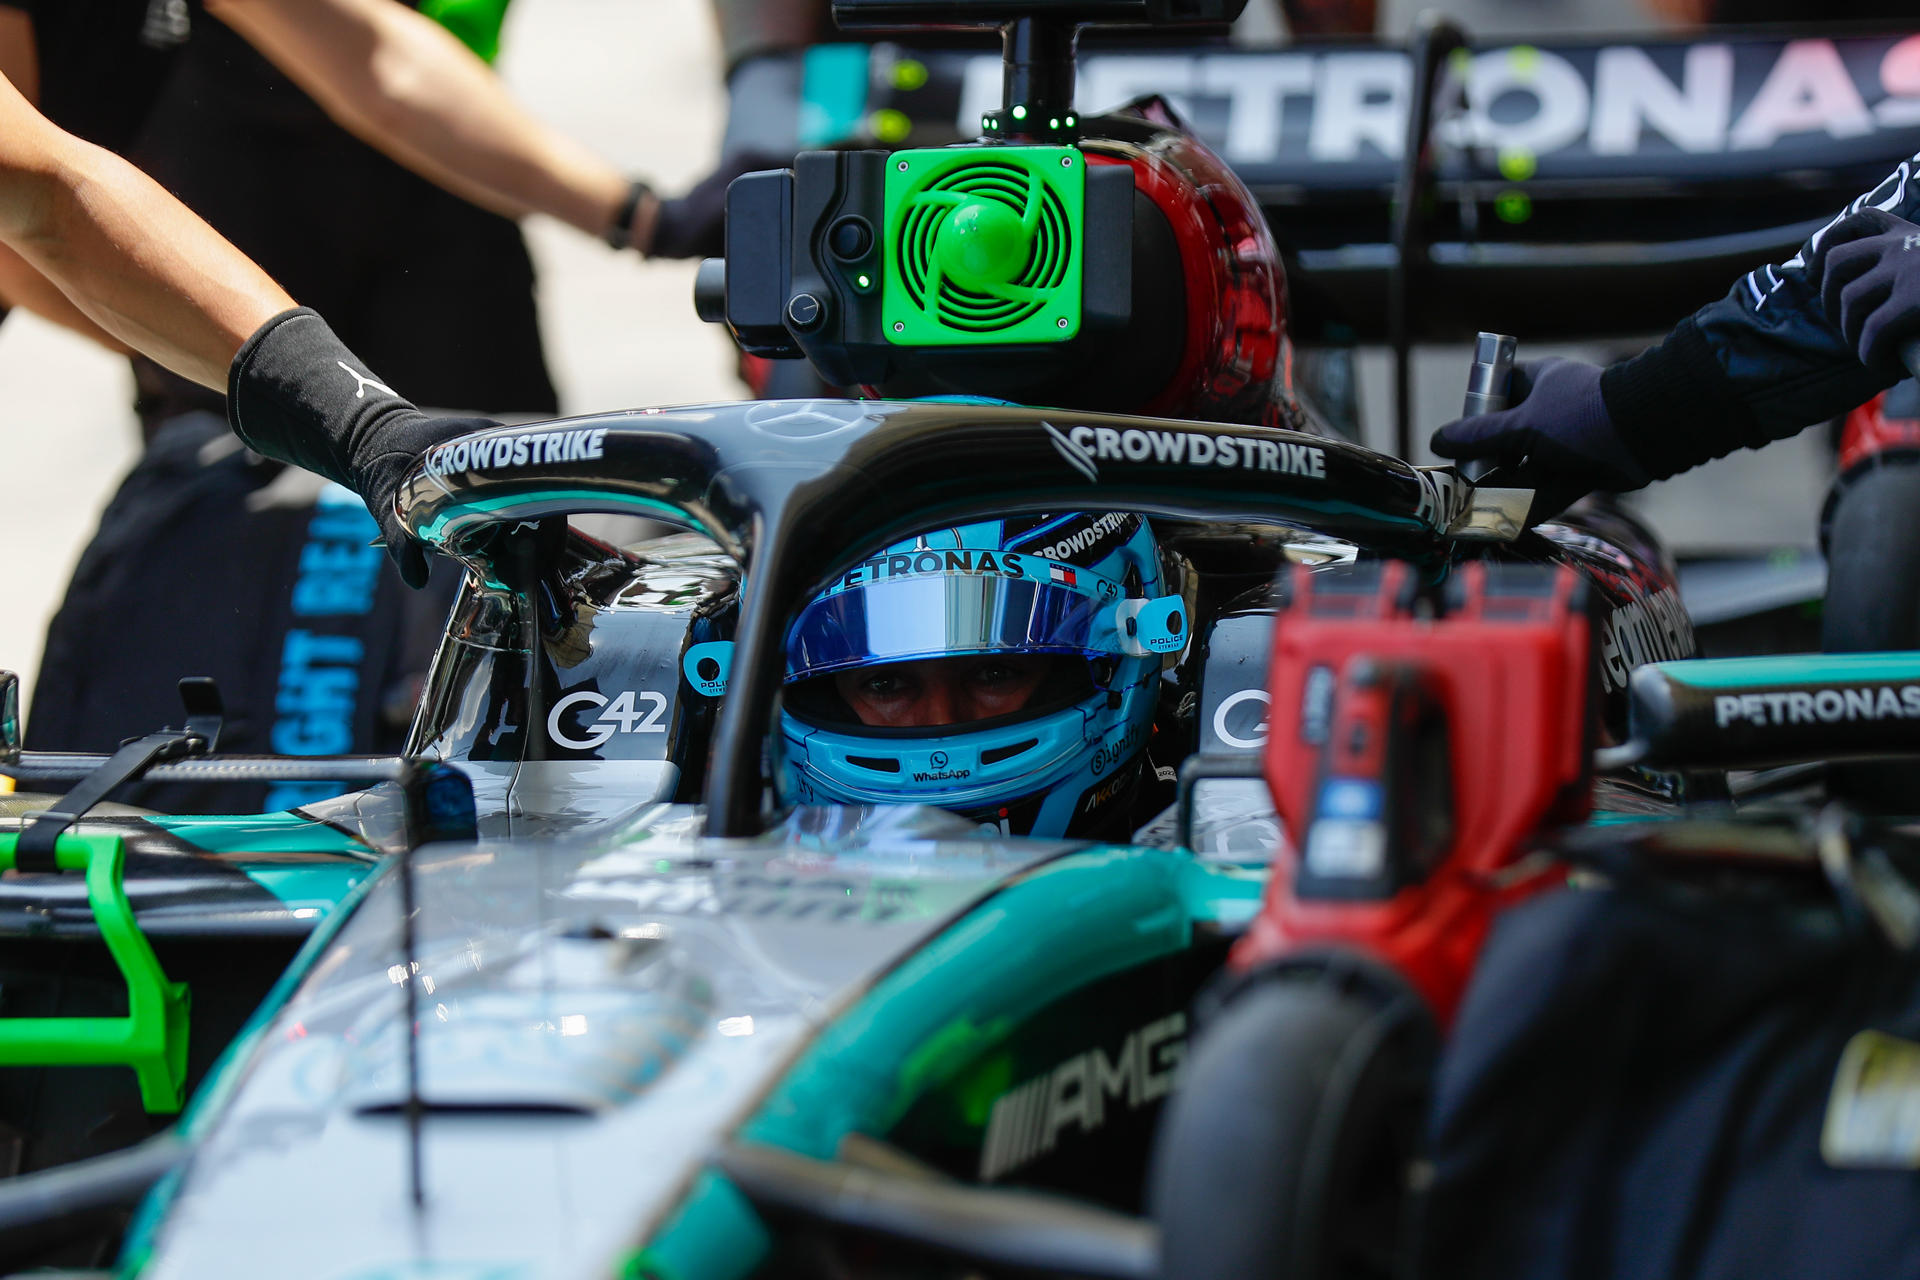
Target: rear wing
1588,187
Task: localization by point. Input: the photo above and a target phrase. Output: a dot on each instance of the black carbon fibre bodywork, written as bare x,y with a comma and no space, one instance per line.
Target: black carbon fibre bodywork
176,888
599,624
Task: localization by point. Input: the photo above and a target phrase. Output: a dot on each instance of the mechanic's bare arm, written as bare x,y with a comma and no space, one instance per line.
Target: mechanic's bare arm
129,255
20,285
18,61
23,287
141,264
406,86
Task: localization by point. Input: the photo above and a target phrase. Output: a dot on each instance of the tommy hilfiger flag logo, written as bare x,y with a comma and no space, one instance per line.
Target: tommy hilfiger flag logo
1061,574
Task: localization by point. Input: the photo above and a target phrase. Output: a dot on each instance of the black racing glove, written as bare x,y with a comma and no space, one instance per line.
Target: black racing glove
1556,435
1868,275
694,225
296,393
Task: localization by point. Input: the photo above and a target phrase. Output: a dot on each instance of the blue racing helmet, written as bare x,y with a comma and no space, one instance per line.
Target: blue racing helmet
1088,588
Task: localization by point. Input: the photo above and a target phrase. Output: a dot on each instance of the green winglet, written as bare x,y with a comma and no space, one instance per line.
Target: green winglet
152,1038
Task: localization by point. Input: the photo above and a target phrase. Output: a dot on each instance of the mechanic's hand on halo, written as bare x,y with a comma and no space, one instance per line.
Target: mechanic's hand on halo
1555,434
387,450
296,393
1868,273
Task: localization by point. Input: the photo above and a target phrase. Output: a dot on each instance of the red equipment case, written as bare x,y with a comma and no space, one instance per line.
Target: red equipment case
1418,737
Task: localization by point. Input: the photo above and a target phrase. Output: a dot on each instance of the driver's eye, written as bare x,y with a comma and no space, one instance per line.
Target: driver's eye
989,674
887,685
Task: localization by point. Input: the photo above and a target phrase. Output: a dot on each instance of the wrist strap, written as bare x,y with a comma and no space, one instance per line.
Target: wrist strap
620,234
296,393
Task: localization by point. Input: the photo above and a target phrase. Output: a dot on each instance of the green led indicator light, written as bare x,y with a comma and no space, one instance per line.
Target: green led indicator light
909,74
1513,207
889,125
865,282
1517,164
1019,113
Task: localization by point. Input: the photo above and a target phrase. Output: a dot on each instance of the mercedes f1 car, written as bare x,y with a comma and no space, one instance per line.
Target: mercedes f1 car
606,972
656,1038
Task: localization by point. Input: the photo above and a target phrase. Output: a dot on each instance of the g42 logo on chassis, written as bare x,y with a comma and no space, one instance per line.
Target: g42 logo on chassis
621,715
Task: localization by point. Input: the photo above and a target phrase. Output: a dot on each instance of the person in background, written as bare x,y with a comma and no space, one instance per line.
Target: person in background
144,268
371,162
272,116
374,164
1792,344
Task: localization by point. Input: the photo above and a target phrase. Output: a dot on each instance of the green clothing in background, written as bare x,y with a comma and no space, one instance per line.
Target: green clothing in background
476,22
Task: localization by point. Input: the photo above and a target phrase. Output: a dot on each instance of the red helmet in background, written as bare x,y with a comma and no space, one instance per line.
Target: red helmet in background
1227,359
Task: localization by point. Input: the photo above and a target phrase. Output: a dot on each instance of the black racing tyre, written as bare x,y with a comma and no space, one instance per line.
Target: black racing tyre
1873,602
1289,1148
1873,562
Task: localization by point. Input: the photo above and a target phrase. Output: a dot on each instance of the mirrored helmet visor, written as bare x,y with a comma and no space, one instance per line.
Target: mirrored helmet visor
940,615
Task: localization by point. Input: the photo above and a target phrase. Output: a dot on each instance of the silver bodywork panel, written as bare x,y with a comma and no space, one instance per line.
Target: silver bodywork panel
594,1015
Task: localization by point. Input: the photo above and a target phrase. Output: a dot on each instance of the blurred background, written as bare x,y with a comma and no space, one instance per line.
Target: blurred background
638,82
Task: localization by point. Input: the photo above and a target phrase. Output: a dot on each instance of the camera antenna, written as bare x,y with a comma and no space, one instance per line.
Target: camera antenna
1037,52
409,981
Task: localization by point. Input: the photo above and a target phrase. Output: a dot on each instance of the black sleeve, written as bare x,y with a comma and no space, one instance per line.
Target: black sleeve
1758,365
296,393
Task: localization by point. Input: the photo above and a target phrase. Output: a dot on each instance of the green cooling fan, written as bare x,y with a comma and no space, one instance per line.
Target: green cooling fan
983,245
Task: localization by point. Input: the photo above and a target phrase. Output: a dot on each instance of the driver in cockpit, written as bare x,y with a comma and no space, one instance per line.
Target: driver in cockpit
1007,670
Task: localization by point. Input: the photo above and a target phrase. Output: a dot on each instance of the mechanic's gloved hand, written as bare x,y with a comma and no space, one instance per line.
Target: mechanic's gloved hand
1555,434
694,225
296,393
1868,275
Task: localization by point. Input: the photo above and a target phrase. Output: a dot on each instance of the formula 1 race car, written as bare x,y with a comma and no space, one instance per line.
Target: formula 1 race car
625,998
837,1037
824,994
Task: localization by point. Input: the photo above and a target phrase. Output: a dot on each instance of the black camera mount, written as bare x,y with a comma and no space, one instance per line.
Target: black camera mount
1038,45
